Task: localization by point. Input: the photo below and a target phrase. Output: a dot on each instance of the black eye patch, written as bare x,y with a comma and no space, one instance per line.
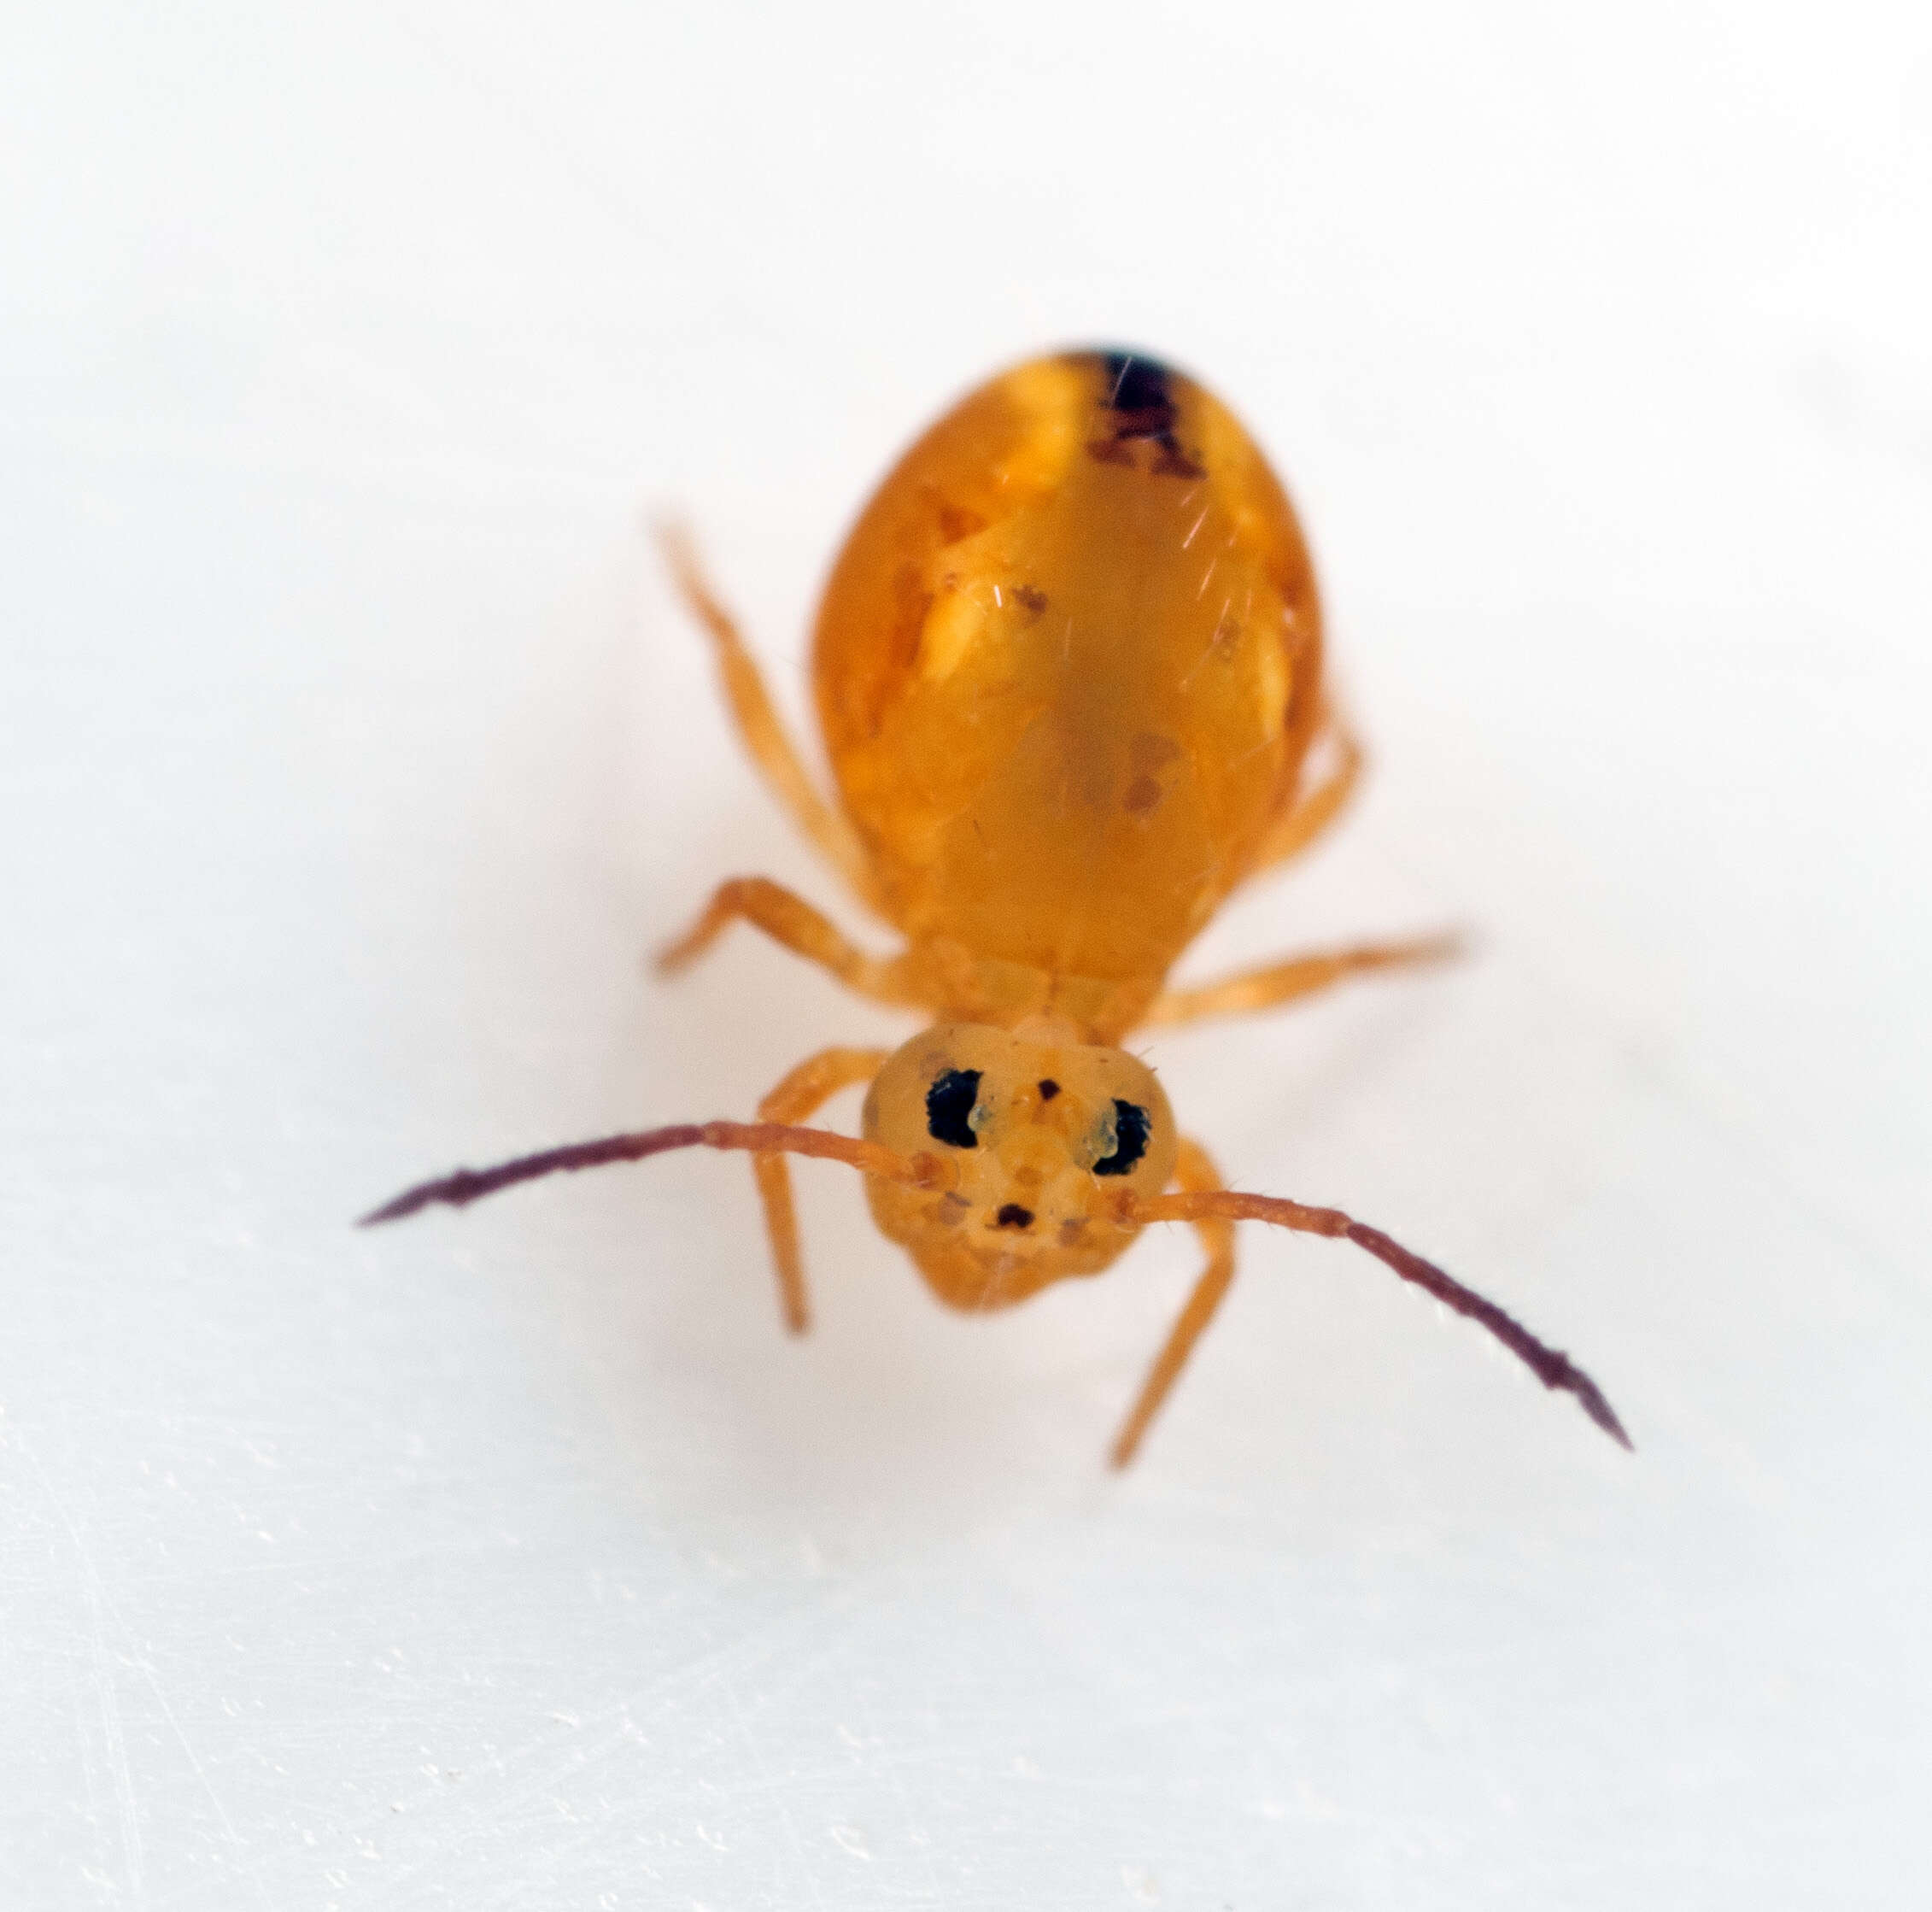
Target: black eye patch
1131,1127
949,1107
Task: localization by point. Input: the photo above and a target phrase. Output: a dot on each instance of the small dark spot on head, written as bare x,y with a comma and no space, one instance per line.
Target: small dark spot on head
1142,796
1049,1089
1131,1127
949,1107
1012,1216
1030,600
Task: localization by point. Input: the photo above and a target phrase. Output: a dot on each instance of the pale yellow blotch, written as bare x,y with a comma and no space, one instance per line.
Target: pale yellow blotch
1049,395
1250,526
953,623
1271,689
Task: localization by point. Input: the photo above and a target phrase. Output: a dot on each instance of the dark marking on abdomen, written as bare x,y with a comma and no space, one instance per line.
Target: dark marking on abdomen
1137,391
1136,383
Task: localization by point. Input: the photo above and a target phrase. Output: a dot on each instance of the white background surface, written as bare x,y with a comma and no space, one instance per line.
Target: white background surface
353,752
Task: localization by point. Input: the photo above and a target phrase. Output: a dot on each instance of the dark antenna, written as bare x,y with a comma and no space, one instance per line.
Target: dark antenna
1551,1366
464,1186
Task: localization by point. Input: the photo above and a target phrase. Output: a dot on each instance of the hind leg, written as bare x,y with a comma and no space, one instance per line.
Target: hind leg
1313,812
802,1091
758,726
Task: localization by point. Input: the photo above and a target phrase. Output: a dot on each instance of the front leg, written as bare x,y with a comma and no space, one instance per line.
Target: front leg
790,920
1195,1174
796,1099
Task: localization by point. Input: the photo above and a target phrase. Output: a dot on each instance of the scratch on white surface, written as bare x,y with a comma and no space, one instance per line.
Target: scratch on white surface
237,1845
720,1672
894,1773
102,1614
596,182
107,1691
1676,1082
762,1768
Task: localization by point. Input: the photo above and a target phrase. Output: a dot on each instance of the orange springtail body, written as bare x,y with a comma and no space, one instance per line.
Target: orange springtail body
1068,670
